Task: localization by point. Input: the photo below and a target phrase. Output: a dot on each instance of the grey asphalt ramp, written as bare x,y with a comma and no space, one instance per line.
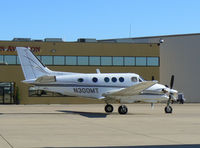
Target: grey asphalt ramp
24,126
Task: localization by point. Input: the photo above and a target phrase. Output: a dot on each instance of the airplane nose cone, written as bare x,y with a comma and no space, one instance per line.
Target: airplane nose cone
173,91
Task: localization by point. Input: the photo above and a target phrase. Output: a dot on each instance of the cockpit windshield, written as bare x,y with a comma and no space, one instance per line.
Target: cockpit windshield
141,79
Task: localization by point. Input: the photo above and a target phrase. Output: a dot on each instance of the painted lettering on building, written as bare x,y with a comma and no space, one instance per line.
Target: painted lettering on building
13,49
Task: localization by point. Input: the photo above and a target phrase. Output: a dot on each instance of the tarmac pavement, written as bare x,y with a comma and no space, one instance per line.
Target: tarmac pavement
55,126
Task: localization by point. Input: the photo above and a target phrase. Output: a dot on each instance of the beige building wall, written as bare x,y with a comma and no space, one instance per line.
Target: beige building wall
180,56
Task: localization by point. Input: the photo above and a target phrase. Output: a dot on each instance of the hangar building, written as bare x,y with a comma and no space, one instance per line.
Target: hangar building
179,55
83,56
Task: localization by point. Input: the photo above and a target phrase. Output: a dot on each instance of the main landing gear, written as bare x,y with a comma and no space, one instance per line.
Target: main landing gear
122,109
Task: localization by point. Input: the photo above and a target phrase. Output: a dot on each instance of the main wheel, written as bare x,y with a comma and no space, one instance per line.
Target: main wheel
109,108
122,109
168,109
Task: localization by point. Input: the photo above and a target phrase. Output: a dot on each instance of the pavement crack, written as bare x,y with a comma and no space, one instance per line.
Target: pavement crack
6,141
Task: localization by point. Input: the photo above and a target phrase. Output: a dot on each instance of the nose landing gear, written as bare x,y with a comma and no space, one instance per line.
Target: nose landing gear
168,109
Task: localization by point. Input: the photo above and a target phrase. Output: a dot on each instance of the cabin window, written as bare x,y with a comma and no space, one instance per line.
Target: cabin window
94,79
114,79
134,79
106,79
80,80
121,79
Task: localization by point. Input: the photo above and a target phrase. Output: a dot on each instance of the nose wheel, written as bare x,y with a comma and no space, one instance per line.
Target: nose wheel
109,108
122,109
168,109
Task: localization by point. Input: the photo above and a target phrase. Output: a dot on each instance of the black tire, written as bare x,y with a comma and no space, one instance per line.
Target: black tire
168,109
122,109
109,108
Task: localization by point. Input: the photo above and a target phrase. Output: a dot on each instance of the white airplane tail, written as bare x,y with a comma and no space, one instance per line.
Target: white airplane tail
31,66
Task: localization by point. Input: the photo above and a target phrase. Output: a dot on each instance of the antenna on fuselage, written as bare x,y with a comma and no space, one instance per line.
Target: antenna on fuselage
98,71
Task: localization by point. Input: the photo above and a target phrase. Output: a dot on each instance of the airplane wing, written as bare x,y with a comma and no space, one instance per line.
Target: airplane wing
132,90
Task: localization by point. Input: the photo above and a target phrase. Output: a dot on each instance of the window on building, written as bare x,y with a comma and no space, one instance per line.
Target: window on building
39,57
129,61
1,58
47,60
10,59
82,60
94,60
71,60
118,61
152,61
59,60
18,62
106,61
141,61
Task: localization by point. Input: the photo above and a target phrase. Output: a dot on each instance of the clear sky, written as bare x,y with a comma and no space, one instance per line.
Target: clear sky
100,19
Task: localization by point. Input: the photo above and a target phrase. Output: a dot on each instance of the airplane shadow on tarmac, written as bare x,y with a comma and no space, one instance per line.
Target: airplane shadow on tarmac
85,114
96,115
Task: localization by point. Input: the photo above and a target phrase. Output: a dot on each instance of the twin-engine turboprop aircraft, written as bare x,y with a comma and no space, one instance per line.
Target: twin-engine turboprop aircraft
110,87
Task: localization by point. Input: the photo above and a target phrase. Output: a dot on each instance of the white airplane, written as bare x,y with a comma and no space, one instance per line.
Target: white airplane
110,87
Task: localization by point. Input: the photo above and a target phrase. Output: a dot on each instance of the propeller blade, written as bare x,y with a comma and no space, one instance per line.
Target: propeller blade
172,82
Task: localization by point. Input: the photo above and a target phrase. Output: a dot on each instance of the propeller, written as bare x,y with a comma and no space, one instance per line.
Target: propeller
171,86
172,82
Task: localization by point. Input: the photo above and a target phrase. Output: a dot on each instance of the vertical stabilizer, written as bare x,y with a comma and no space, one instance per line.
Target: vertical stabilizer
31,66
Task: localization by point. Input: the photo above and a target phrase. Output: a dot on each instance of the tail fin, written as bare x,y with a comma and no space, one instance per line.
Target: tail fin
31,66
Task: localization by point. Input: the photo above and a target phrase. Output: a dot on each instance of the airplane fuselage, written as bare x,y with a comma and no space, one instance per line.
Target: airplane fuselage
98,84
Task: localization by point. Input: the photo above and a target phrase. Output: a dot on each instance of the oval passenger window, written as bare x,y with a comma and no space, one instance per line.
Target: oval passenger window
114,79
94,79
106,79
80,80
